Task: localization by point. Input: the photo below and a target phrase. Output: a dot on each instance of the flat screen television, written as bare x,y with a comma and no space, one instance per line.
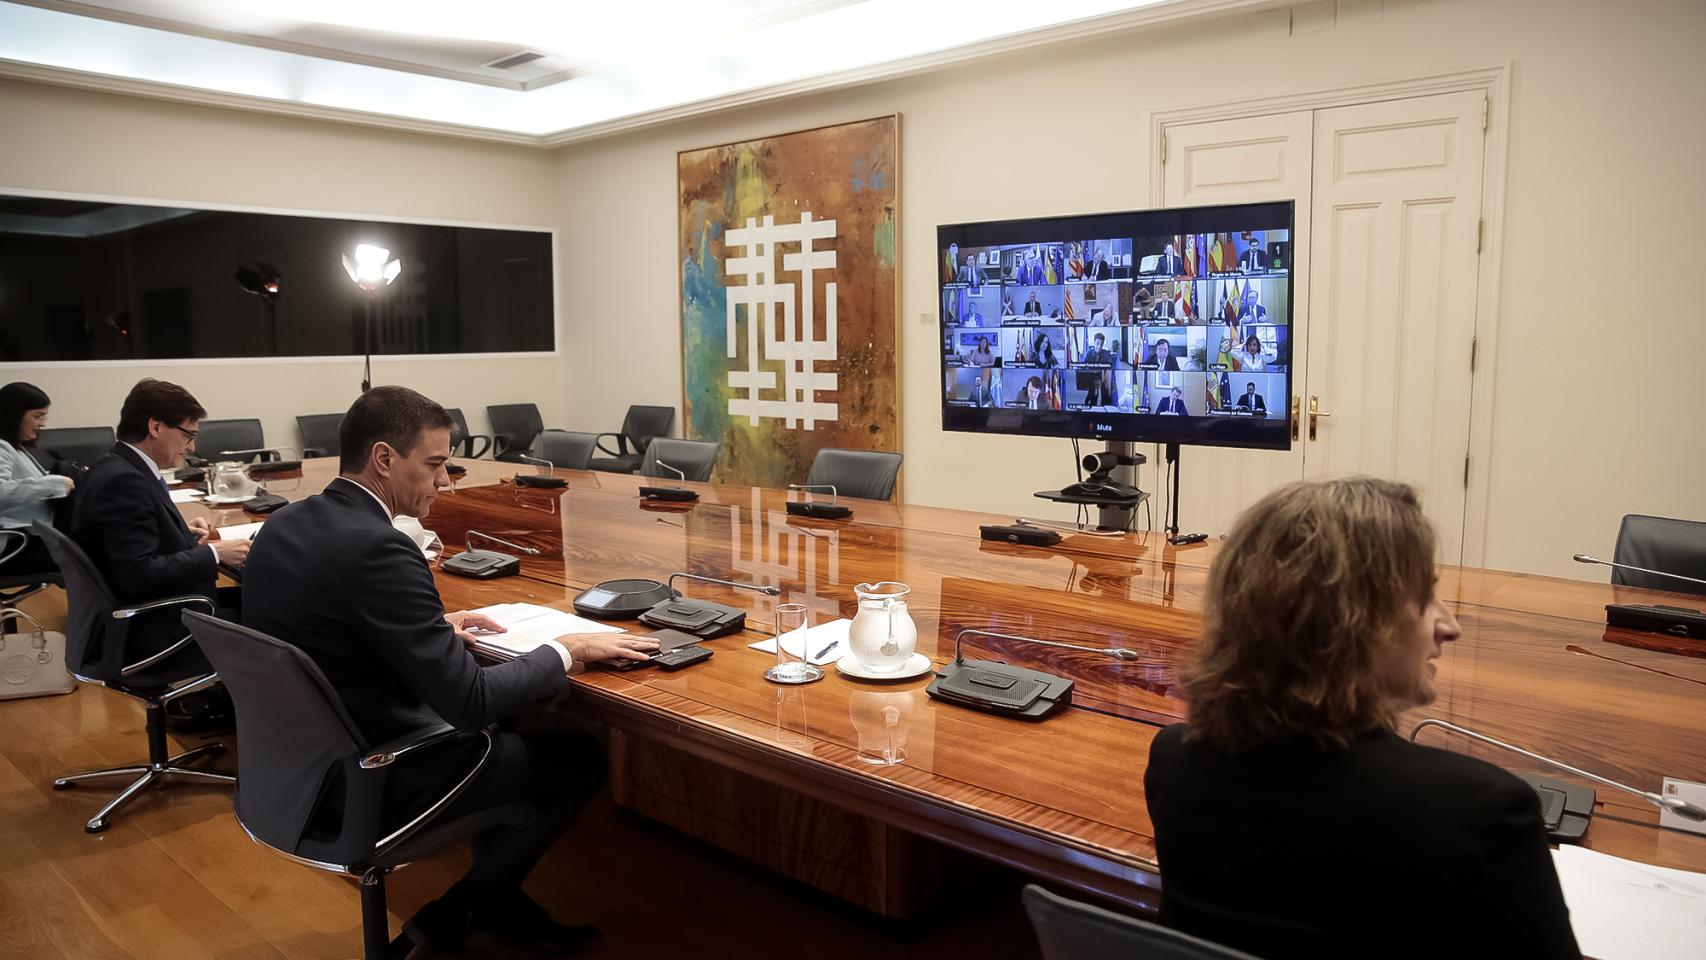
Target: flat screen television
1154,326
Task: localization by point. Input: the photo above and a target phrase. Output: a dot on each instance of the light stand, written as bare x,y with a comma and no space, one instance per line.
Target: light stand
370,269
1174,537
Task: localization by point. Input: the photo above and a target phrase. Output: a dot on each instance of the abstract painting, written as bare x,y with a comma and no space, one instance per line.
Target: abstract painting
788,298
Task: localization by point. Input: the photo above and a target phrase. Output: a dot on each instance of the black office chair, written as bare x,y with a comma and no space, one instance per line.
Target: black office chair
565,448
97,633
868,474
515,425
1660,543
319,434
1069,930
312,787
241,440
695,458
80,445
639,428
16,585
463,438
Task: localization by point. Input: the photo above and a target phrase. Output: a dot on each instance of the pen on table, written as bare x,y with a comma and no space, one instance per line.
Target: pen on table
831,645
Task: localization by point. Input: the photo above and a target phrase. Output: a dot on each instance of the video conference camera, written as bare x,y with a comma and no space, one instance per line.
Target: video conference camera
1102,463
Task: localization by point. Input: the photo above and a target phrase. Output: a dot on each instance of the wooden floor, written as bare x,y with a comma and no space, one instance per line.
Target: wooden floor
175,877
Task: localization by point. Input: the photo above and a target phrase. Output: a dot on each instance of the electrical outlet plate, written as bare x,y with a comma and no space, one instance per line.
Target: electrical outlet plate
1694,793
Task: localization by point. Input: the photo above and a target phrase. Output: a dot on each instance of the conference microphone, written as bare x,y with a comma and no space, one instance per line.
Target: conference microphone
1674,804
675,494
996,687
1584,558
705,619
811,508
485,564
540,480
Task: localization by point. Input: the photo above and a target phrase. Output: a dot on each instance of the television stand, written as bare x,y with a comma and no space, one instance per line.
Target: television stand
1101,490
1171,521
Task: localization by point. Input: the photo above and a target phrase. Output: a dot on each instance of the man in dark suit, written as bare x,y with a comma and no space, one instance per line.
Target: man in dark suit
126,522
1099,268
1033,307
1254,259
1162,356
1174,404
333,577
971,274
1170,264
1099,353
1251,400
1250,307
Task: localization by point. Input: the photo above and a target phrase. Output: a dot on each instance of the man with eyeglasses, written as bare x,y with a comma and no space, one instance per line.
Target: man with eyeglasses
125,520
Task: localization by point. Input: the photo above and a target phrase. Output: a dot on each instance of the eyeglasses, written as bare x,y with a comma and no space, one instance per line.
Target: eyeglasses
188,433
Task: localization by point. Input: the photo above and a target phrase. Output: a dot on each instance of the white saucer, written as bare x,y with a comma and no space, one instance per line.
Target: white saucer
916,665
225,501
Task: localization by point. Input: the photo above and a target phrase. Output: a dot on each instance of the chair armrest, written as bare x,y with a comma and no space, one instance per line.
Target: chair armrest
126,613
309,453
621,444
425,816
470,453
264,453
387,753
11,544
500,443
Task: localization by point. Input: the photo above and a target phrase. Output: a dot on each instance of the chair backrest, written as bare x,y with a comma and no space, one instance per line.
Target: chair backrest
565,448
82,445
857,473
692,457
517,425
216,439
89,605
464,442
642,424
1069,930
1661,543
295,732
319,434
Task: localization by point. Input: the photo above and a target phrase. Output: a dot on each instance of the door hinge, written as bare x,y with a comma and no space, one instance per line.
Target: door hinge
1485,109
1466,471
1474,344
1480,231
1163,149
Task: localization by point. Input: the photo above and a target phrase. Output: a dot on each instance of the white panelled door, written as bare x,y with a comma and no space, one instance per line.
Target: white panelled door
1243,161
1396,211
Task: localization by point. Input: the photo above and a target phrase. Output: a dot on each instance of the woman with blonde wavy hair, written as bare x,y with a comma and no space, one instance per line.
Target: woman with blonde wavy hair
1291,819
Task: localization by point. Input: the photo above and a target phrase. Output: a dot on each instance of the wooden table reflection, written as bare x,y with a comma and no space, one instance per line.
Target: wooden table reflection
1063,798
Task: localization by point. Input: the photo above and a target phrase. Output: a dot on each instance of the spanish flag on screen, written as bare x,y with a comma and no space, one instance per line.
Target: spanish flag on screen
1075,264
1188,250
1067,312
1182,300
1234,299
1218,255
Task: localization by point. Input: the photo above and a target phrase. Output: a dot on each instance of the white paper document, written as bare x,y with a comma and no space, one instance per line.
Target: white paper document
824,643
529,625
186,495
238,531
1624,910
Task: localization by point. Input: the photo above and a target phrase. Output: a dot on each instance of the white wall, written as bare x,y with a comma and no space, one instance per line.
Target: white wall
1604,194
64,140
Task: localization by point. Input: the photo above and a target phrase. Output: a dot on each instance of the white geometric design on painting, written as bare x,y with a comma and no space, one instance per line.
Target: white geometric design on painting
795,341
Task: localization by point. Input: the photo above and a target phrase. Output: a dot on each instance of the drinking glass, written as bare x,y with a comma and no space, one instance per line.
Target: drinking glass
792,658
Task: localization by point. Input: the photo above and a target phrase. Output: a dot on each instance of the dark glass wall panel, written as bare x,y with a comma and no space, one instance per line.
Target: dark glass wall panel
91,281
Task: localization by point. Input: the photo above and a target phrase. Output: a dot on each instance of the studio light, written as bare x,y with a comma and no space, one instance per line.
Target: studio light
371,268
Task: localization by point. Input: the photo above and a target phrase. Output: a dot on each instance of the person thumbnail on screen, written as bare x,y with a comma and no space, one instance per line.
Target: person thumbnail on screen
1036,391
973,267
1161,257
1177,349
974,387
1159,300
1044,304
1033,347
1034,264
1247,394
1095,348
971,306
975,349
1254,258
1169,394
1098,260
1101,391
1250,348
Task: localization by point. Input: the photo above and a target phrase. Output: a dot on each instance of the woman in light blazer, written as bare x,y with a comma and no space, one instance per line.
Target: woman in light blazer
27,491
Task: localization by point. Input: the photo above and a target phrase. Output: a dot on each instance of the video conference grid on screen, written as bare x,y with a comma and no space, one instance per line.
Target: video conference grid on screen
1121,328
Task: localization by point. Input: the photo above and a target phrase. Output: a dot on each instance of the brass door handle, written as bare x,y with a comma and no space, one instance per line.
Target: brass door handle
1315,412
1296,415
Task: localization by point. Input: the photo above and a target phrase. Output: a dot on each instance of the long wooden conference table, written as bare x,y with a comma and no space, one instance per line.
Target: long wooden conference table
781,775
